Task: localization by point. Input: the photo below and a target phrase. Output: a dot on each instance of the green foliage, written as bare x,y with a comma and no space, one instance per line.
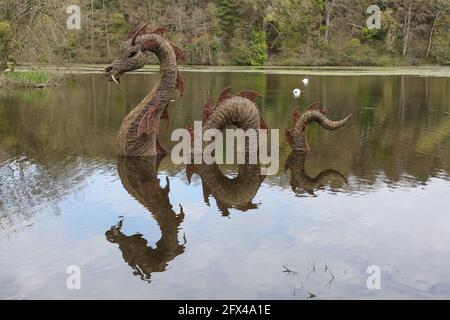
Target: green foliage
117,23
370,34
250,32
27,77
5,29
350,50
227,17
440,50
391,29
5,32
253,52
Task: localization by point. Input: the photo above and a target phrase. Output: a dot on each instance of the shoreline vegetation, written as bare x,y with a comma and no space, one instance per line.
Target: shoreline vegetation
233,32
30,79
47,75
53,74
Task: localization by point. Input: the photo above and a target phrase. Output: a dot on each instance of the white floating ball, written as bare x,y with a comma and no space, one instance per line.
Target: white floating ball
296,92
305,81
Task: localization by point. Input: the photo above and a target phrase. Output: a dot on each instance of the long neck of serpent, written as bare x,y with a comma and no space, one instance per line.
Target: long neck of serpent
164,89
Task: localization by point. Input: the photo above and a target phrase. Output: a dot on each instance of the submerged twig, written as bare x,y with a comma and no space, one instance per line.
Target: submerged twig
332,276
313,269
288,271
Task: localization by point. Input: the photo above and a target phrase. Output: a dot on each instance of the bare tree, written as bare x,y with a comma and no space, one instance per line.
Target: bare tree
108,47
407,28
328,10
92,27
438,10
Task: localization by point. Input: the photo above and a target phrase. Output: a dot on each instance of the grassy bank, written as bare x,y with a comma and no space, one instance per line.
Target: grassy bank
29,79
419,71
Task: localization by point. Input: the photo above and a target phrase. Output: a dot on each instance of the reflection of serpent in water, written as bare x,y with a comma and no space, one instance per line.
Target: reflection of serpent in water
138,136
240,110
229,193
139,177
300,179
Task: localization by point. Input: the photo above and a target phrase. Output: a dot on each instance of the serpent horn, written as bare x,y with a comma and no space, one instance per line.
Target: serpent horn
133,41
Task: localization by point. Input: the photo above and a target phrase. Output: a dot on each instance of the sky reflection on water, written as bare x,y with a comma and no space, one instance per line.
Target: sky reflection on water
373,192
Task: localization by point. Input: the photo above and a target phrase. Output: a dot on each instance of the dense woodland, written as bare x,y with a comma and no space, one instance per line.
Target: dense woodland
232,32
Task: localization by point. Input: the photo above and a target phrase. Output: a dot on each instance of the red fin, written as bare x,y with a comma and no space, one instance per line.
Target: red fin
262,123
225,94
250,95
295,115
160,31
150,44
166,116
289,136
179,54
207,110
131,33
180,83
314,106
149,124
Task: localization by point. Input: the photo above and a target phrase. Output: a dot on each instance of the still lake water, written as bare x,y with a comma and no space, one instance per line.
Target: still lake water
375,192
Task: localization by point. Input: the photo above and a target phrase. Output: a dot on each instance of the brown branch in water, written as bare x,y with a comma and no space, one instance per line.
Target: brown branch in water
288,271
332,276
313,269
